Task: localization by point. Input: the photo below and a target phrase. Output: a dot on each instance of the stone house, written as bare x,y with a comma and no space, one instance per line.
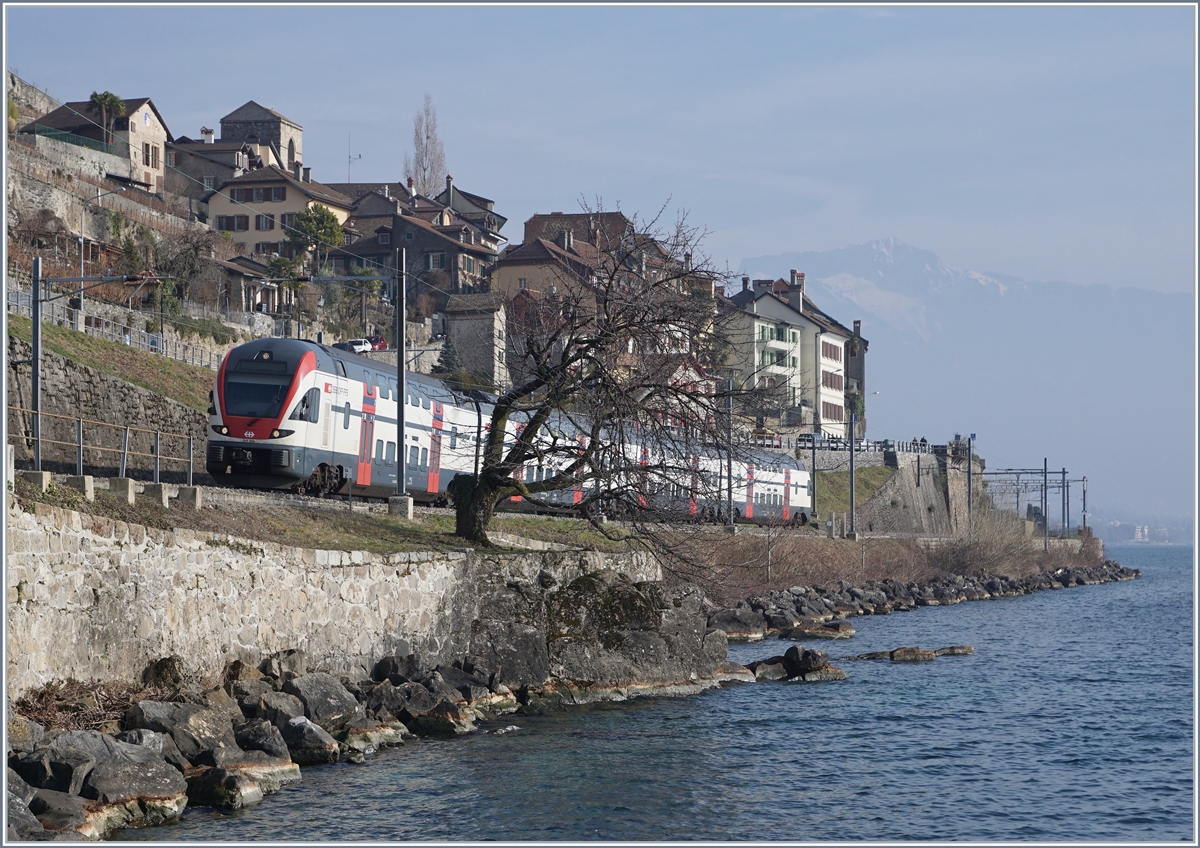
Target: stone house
258,207
444,250
781,342
477,325
478,210
140,134
255,123
195,168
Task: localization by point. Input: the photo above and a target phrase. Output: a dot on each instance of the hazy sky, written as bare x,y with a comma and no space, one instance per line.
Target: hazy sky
1048,143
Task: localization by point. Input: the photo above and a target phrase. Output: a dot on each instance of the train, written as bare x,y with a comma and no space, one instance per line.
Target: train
298,415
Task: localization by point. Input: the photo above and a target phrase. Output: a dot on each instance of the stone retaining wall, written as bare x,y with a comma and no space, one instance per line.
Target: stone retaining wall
76,391
97,599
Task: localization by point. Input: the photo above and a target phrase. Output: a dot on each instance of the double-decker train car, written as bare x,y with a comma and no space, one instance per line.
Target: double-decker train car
301,416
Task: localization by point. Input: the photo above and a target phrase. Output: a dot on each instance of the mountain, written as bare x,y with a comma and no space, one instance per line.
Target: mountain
1097,379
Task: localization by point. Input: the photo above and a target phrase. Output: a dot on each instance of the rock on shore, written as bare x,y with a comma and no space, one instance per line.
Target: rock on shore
819,612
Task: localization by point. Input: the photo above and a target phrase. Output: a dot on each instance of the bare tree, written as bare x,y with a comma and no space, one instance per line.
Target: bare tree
427,165
609,396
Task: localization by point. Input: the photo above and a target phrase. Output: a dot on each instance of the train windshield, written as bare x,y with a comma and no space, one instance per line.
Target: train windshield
256,389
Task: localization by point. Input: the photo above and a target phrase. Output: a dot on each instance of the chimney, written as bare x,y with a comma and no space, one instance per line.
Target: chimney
412,187
206,135
308,175
858,328
745,284
449,190
386,191
687,261
796,290
296,170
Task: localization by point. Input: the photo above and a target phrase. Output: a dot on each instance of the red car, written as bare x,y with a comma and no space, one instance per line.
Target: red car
377,342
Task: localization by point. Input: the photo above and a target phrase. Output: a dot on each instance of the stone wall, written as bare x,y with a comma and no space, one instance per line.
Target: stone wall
75,391
903,508
31,102
97,599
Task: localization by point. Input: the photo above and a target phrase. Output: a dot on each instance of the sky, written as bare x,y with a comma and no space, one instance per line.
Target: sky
1050,143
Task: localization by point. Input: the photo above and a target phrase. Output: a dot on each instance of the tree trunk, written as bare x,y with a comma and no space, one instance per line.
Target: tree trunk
474,504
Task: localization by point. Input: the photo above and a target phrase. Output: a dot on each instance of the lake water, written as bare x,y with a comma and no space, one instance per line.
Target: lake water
1073,721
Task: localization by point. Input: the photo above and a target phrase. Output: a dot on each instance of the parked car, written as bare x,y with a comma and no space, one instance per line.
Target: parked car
359,345
377,342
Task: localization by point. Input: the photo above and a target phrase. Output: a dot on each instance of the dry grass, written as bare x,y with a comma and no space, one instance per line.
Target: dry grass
176,380
76,705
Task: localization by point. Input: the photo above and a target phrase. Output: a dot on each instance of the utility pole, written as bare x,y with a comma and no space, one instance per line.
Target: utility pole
1063,531
850,534
729,453
1045,505
1085,524
36,340
401,504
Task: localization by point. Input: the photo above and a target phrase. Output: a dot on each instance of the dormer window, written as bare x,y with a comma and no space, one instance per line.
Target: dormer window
385,238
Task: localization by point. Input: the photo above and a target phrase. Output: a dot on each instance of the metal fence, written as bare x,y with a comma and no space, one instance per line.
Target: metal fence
78,140
21,303
61,435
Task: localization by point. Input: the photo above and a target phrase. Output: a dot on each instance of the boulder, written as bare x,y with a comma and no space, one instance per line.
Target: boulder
222,702
365,735
22,823
740,625
874,655
62,768
445,719
716,646
307,743
247,694
58,811
768,670
820,675
258,734
193,728
441,690
417,701
284,665
810,628
269,772
17,786
728,670
326,701
279,708
151,783
912,655
955,651
218,787
238,670
399,669
387,697
799,660
23,734
470,687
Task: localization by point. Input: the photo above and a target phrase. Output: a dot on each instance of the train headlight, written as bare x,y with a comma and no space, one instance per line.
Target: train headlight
279,434
217,428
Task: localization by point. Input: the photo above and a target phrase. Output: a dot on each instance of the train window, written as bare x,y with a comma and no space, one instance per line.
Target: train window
341,367
413,400
378,451
528,473
389,458
346,418
541,474
454,438
425,403
424,458
412,456
309,407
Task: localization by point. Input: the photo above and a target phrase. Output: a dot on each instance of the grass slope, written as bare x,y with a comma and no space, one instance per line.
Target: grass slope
833,488
170,378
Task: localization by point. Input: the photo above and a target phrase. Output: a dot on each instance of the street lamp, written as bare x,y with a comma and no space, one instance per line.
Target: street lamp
82,218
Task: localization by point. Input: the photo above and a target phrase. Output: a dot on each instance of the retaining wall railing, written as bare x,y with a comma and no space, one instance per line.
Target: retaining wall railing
21,303
182,455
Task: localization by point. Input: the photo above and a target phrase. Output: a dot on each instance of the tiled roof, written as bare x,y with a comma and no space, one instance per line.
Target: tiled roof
78,114
422,224
485,302
274,174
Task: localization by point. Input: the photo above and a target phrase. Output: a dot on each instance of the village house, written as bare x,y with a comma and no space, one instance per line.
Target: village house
254,123
259,207
785,345
477,326
140,134
195,168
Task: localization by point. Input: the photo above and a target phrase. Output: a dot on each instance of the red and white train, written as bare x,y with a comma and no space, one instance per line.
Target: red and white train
301,416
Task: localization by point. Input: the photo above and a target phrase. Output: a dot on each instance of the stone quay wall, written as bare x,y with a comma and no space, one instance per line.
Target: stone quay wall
96,599
75,391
